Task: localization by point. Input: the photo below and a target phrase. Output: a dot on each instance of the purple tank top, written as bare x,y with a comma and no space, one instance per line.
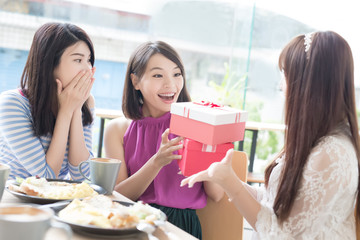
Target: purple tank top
141,141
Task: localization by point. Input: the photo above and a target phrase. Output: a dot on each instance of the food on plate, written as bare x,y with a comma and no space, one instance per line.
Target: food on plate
40,187
102,212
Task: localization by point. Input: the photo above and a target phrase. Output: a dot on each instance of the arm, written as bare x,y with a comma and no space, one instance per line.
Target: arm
326,197
27,148
135,185
320,200
113,143
78,149
80,144
71,99
213,191
216,192
223,174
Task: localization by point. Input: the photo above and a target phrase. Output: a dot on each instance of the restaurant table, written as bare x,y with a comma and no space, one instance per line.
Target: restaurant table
166,232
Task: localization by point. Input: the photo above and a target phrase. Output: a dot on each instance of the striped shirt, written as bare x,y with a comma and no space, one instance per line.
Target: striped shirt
25,152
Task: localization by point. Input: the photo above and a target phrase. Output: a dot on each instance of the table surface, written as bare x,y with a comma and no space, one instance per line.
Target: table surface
166,232
108,113
264,126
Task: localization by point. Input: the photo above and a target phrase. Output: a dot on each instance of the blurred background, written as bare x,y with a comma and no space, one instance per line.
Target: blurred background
230,48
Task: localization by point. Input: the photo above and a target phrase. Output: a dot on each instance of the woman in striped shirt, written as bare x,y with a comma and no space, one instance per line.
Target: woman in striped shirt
45,126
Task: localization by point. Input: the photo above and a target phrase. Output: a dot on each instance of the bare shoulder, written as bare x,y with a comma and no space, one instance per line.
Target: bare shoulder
117,126
114,137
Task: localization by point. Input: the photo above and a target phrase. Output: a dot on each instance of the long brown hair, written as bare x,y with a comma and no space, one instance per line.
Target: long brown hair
37,80
319,96
132,99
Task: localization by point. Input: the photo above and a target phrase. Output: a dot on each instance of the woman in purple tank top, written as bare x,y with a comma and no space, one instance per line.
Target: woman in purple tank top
155,78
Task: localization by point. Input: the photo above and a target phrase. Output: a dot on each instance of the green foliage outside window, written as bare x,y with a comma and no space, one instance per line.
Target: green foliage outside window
230,92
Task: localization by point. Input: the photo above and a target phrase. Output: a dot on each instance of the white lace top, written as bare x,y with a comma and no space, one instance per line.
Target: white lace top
324,207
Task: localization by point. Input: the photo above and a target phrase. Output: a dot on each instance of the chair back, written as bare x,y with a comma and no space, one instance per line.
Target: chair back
221,220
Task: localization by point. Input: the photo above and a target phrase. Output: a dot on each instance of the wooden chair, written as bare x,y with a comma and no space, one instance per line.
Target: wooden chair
221,220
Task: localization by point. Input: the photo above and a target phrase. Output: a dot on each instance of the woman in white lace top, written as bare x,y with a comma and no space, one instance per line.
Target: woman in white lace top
311,187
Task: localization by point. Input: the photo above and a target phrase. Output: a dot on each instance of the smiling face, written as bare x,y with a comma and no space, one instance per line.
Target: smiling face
73,60
160,85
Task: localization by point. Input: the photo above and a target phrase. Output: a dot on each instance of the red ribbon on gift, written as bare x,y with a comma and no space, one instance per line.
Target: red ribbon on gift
208,104
208,148
186,112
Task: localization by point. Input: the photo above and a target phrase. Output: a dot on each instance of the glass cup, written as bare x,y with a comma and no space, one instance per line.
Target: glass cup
103,172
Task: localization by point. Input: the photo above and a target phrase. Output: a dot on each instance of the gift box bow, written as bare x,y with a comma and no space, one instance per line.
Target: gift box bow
209,104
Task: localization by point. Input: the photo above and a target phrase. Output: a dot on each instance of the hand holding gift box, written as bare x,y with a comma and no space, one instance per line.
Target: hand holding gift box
197,157
209,130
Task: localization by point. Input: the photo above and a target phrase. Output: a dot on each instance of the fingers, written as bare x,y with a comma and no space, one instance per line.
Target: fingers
198,177
173,145
167,151
185,181
84,82
76,79
173,148
165,136
91,81
89,87
93,70
212,169
177,140
165,154
228,157
59,86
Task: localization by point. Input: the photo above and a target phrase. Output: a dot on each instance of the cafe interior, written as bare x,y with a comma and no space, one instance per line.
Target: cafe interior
230,51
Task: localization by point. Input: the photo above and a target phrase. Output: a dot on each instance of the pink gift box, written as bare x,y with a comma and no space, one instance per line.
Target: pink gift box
197,157
207,123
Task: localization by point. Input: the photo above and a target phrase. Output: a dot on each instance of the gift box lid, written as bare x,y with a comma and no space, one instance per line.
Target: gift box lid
209,112
190,144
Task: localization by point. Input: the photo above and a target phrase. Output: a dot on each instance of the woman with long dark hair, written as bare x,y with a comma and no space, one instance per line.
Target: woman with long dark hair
46,124
155,78
312,186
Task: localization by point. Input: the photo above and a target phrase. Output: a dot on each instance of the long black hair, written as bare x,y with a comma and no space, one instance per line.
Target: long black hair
320,95
132,98
37,80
